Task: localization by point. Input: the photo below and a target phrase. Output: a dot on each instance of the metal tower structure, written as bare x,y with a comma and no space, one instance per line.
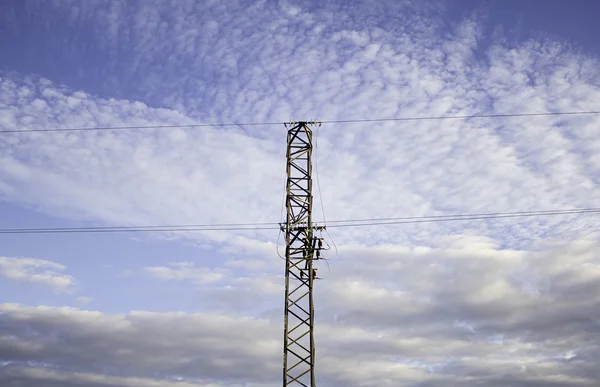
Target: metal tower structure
302,247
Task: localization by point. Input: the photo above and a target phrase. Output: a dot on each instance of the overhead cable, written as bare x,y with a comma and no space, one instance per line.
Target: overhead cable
241,124
276,226
461,218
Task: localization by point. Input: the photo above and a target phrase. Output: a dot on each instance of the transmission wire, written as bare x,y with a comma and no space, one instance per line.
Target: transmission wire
348,121
340,223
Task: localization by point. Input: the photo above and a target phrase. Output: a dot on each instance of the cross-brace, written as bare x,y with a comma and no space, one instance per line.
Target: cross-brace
302,247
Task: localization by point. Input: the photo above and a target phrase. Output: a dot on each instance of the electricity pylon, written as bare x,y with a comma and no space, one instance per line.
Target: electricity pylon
302,247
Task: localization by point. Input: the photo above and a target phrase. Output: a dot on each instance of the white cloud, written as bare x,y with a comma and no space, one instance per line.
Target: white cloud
491,303
460,312
84,300
185,271
38,271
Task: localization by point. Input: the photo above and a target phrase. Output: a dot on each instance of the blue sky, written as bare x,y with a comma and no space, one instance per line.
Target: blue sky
498,302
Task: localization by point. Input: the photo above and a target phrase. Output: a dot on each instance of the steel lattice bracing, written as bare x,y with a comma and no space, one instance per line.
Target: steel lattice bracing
301,245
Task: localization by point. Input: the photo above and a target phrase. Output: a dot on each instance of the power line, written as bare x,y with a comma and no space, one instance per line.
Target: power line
449,219
263,226
181,126
127,229
459,117
487,214
350,121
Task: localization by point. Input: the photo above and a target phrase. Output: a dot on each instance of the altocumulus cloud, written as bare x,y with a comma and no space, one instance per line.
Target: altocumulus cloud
367,170
495,302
